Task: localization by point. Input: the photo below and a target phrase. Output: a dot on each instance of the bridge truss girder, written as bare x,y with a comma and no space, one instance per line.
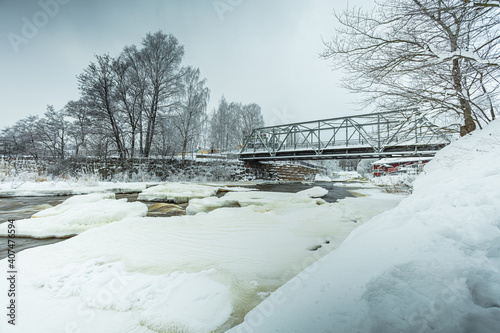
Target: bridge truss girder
401,133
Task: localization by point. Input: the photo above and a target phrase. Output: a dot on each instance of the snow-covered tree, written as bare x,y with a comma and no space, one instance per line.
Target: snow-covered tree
160,59
80,123
97,85
250,118
440,57
22,138
221,125
130,95
52,132
189,114
231,122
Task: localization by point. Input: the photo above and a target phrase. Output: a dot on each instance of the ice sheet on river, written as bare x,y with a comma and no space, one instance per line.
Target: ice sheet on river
196,273
75,215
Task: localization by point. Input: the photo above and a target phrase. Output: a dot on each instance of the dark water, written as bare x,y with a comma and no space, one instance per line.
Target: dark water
19,208
334,192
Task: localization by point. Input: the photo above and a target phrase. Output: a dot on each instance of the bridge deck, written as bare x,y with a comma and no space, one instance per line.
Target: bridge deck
344,153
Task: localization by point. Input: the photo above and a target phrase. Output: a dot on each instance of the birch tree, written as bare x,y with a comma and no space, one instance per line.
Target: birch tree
189,115
222,125
160,60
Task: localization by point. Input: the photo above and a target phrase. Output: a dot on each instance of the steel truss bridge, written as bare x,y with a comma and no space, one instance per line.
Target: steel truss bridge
375,135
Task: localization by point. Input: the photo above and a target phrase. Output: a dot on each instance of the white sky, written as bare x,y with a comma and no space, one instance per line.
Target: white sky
260,51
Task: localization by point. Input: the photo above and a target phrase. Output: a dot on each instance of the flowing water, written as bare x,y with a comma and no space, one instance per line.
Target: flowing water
19,208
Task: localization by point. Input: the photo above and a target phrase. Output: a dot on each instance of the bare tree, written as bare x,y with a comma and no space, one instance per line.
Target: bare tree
440,57
483,3
130,92
222,123
189,114
166,143
231,122
250,118
80,125
160,59
97,85
22,139
51,132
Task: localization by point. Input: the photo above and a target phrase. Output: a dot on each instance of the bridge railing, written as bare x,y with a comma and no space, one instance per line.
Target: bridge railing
376,131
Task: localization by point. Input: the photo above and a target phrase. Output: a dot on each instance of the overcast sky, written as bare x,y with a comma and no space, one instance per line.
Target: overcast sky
250,51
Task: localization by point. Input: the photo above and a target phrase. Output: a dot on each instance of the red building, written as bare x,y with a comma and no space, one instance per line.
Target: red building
395,166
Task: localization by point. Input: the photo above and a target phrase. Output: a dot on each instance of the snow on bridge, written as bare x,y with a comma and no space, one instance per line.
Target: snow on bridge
375,135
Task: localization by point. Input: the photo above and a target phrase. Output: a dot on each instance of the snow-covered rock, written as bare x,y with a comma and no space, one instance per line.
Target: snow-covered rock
314,192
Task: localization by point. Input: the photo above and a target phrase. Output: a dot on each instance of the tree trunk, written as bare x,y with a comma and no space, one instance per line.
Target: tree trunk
464,103
132,143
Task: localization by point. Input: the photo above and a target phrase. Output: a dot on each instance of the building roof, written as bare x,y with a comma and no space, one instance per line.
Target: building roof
401,160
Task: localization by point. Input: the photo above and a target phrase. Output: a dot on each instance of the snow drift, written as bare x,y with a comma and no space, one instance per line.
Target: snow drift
432,264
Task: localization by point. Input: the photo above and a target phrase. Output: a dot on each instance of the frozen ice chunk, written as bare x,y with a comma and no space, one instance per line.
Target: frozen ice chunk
177,192
208,204
314,192
75,215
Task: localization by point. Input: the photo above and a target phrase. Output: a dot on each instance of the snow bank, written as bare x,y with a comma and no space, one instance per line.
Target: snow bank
197,273
55,188
430,264
159,300
394,180
75,215
177,192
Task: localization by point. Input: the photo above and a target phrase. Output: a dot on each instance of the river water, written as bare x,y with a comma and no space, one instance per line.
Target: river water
19,208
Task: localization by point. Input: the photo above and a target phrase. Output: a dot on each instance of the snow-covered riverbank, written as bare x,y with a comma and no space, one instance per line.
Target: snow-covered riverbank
432,264
195,273
429,263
